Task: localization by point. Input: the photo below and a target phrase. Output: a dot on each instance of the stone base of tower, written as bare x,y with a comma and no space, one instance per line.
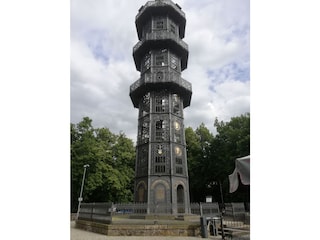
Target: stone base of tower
163,195
143,227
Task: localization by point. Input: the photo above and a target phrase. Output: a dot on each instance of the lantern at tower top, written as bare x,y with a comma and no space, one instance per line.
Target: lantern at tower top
160,8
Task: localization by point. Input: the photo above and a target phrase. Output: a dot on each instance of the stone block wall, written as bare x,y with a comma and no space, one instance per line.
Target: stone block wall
140,230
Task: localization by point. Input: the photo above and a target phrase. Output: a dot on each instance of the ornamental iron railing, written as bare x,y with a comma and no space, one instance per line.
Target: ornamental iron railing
160,3
166,77
161,35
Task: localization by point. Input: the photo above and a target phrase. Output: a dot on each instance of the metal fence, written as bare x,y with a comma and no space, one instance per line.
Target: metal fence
142,208
205,209
236,222
236,212
96,212
232,222
232,211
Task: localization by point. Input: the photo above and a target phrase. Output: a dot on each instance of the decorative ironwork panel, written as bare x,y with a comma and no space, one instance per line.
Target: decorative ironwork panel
142,160
186,84
178,151
177,129
144,107
175,62
143,130
135,85
161,102
159,23
160,159
173,27
160,129
176,105
179,161
160,58
146,63
179,170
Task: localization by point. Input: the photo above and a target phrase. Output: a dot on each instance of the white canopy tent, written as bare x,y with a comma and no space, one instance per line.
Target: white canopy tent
243,169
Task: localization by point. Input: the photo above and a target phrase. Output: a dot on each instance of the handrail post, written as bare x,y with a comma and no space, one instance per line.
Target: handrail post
222,230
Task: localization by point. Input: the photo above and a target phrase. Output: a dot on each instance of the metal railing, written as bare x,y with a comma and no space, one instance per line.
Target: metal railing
161,35
144,208
234,212
168,77
233,223
236,221
96,212
160,3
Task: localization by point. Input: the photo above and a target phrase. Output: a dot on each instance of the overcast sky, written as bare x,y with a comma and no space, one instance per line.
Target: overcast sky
103,34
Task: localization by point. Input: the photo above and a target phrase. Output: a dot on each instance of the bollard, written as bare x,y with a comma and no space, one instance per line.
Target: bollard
203,225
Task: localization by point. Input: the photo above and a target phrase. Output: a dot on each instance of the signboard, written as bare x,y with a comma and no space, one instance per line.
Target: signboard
208,199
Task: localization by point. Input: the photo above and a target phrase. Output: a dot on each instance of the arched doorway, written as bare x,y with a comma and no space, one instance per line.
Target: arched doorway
141,195
160,194
180,199
160,199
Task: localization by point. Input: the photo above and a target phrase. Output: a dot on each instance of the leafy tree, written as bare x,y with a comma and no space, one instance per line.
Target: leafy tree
212,158
117,172
232,141
198,150
194,166
111,158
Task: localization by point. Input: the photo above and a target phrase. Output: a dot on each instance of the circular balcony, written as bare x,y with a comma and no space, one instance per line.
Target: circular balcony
161,80
159,40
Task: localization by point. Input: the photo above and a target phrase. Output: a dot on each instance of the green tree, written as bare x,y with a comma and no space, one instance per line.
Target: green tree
232,141
117,172
194,166
212,158
111,158
82,152
198,150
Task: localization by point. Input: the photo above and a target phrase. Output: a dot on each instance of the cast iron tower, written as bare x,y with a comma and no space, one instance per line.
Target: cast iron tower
161,173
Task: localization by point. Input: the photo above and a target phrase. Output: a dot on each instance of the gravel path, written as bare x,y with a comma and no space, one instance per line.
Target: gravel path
78,234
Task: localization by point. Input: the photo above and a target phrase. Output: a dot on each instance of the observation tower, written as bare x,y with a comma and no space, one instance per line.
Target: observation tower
161,94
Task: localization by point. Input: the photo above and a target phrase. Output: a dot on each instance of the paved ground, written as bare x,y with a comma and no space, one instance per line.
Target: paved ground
78,234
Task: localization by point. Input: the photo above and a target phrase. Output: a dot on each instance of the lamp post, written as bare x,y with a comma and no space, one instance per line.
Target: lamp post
221,195
80,198
211,184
